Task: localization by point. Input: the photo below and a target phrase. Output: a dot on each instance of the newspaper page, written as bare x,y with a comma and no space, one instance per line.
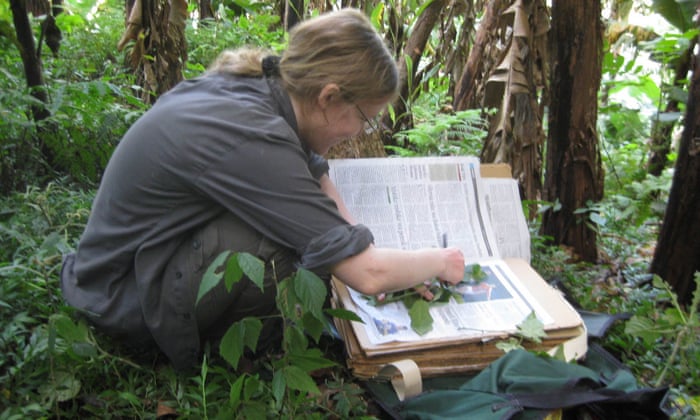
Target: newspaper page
507,218
492,307
412,203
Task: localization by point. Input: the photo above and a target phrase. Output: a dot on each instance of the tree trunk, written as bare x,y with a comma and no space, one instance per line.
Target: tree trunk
574,175
412,53
466,96
157,29
30,59
516,74
677,255
292,13
662,131
205,10
50,33
15,171
456,41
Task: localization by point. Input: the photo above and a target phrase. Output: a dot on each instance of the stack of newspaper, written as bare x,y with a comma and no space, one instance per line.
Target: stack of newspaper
415,203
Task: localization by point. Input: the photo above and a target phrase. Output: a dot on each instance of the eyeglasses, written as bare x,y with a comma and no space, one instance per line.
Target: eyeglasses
371,125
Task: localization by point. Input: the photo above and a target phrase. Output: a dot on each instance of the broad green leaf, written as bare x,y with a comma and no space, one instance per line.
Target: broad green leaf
311,290
279,385
408,297
313,326
287,300
131,398
241,334
236,391
508,345
253,388
211,277
642,328
310,360
253,326
474,272
231,347
67,329
294,339
204,367
84,349
233,273
677,13
343,404
253,267
62,387
299,380
597,218
343,314
376,16
421,321
52,245
532,328
253,410
673,317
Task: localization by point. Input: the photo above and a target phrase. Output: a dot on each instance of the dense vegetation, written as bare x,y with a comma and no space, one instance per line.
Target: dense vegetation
54,366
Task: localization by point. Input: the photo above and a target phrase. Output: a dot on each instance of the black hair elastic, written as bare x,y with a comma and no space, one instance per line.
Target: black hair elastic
271,66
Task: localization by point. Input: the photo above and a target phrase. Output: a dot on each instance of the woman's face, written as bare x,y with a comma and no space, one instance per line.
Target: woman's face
336,121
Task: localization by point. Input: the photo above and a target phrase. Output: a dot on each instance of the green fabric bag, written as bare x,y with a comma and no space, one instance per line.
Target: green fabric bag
522,385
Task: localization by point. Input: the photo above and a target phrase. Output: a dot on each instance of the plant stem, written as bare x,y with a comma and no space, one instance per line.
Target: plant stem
669,362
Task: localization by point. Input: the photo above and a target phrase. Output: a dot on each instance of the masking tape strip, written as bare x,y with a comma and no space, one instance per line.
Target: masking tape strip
573,348
405,377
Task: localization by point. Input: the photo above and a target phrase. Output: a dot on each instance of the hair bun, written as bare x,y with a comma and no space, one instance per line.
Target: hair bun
271,66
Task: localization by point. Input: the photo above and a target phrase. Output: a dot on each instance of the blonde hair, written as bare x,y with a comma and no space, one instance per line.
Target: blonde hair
340,47
240,62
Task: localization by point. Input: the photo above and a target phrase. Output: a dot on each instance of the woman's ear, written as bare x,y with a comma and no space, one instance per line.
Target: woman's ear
329,94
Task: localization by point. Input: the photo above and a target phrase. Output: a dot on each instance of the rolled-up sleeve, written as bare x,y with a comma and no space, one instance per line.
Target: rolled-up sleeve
339,243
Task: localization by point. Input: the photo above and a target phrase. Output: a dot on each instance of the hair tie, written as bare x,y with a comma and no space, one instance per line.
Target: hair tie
271,66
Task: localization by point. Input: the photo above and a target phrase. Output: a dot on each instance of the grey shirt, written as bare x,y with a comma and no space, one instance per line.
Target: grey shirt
213,144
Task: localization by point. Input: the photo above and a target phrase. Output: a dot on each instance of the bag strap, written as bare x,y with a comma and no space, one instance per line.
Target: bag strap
585,391
578,392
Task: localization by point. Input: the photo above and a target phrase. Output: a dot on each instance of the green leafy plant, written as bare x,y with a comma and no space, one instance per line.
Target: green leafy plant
675,324
300,301
48,360
209,38
458,133
90,103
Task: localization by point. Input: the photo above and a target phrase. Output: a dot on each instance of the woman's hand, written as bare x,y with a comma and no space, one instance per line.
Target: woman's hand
453,272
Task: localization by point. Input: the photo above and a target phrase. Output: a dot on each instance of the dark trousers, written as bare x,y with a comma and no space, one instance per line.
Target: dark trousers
219,308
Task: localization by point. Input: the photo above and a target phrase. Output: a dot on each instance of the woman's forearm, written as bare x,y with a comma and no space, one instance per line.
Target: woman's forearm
380,270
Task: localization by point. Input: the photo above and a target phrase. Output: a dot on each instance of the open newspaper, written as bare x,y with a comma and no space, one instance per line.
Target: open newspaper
415,203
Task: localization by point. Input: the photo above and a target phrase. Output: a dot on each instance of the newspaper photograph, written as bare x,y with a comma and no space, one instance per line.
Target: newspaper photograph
493,306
